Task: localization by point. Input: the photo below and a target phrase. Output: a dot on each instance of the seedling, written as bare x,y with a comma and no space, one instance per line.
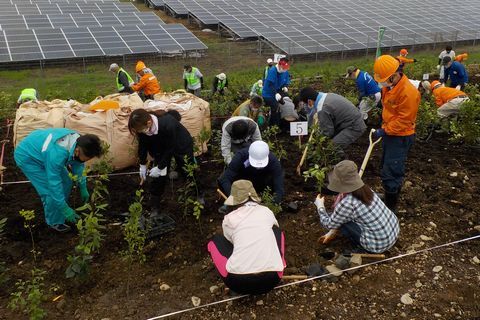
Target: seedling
189,194
270,136
269,201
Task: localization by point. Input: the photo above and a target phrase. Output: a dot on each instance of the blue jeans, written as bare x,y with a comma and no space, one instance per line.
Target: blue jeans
395,151
352,231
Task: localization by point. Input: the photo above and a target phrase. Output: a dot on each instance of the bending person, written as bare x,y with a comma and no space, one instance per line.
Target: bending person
250,254
360,214
238,133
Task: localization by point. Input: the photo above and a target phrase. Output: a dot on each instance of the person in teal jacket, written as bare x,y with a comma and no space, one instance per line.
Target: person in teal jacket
45,157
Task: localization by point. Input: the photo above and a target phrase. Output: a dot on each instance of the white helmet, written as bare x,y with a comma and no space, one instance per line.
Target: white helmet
260,83
222,76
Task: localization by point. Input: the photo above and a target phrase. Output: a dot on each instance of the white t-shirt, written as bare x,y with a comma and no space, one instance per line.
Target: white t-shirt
255,248
444,54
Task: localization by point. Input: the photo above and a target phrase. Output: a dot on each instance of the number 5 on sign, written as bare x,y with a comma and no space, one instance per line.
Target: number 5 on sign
299,128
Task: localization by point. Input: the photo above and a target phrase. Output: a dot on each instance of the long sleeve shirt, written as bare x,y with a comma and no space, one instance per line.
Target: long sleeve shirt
229,145
444,94
457,74
240,168
274,82
366,85
379,226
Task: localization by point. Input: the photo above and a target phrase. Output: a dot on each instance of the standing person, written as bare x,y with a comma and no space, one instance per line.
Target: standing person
461,57
28,94
338,118
256,89
148,85
220,83
448,100
400,100
456,72
448,52
368,90
270,64
46,157
360,214
123,79
192,80
160,135
402,58
250,256
277,80
238,133
252,109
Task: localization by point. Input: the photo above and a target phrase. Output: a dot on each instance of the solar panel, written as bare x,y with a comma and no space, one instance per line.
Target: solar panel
23,45
53,44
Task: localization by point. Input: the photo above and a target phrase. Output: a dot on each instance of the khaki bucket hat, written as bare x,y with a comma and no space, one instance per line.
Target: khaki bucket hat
242,191
344,178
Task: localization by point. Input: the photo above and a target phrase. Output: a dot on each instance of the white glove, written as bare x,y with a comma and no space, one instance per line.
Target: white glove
438,67
278,96
154,172
143,172
285,89
458,87
319,202
163,172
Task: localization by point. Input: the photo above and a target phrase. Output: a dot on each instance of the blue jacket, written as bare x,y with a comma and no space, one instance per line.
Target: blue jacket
40,148
457,74
366,85
274,82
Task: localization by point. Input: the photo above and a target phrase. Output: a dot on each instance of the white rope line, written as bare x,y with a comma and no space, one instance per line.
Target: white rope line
317,277
90,176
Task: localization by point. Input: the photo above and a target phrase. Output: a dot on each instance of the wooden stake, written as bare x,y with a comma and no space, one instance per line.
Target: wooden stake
222,194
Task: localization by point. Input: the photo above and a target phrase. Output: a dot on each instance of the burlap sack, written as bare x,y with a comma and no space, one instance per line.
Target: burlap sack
35,115
195,112
125,100
112,127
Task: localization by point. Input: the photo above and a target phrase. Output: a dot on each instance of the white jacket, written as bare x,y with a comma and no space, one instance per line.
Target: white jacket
255,248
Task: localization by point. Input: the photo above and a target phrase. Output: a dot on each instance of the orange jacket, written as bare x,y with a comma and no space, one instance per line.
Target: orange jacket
461,57
400,106
404,60
148,83
444,94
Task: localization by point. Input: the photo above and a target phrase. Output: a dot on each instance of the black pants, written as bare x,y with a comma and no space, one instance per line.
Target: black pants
253,283
157,185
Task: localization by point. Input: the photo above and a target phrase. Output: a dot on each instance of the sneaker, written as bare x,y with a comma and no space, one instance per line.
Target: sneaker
62,228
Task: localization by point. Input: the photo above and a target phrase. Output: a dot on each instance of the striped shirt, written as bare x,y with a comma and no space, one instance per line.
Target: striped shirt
379,225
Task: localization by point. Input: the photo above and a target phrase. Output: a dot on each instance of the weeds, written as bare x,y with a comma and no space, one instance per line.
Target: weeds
270,136
466,126
7,105
427,119
29,294
269,201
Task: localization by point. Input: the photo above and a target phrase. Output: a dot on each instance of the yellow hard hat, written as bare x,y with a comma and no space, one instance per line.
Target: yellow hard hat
385,66
140,66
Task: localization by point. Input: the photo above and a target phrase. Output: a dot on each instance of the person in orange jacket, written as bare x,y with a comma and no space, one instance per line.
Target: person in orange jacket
461,57
148,84
402,58
448,100
400,100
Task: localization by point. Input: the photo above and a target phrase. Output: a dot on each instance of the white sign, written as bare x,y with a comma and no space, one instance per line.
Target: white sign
277,57
299,128
426,76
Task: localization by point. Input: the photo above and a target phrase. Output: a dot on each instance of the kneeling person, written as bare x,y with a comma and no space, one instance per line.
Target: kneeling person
250,254
45,157
238,133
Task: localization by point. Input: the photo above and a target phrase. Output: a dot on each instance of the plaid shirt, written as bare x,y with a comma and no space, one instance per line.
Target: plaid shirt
378,224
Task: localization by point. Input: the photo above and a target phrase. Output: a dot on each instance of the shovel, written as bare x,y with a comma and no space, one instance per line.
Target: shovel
313,270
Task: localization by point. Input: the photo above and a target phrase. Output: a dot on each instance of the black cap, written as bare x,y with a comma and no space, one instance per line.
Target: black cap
446,59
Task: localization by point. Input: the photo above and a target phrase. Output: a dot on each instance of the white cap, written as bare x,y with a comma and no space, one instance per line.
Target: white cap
258,154
260,83
269,60
221,76
113,66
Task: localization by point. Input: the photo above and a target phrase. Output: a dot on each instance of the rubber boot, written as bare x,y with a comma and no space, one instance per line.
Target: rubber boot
391,199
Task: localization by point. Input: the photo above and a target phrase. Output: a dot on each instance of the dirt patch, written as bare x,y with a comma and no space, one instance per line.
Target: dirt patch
180,259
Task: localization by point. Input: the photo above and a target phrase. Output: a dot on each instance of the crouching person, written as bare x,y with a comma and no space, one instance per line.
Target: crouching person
238,133
250,254
45,157
360,215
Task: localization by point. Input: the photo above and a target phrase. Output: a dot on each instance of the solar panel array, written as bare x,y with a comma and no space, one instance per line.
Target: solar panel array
310,26
33,30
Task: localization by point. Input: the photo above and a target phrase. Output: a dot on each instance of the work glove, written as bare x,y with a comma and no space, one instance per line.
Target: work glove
285,89
379,133
414,60
329,236
84,194
319,202
438,67
261,120
143,172
278,96
70,214
458,87
157,172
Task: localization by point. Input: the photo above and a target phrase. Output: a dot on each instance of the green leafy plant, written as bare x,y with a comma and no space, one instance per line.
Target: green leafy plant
90,226
269,201
466,126
189,194
7,105
29,294
318,173
427,120
270,136
215,143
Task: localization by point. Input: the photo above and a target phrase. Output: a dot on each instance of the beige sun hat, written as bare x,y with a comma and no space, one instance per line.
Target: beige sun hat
242,191
344,178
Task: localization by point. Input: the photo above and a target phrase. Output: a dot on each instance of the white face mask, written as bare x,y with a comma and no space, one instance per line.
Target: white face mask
384,85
